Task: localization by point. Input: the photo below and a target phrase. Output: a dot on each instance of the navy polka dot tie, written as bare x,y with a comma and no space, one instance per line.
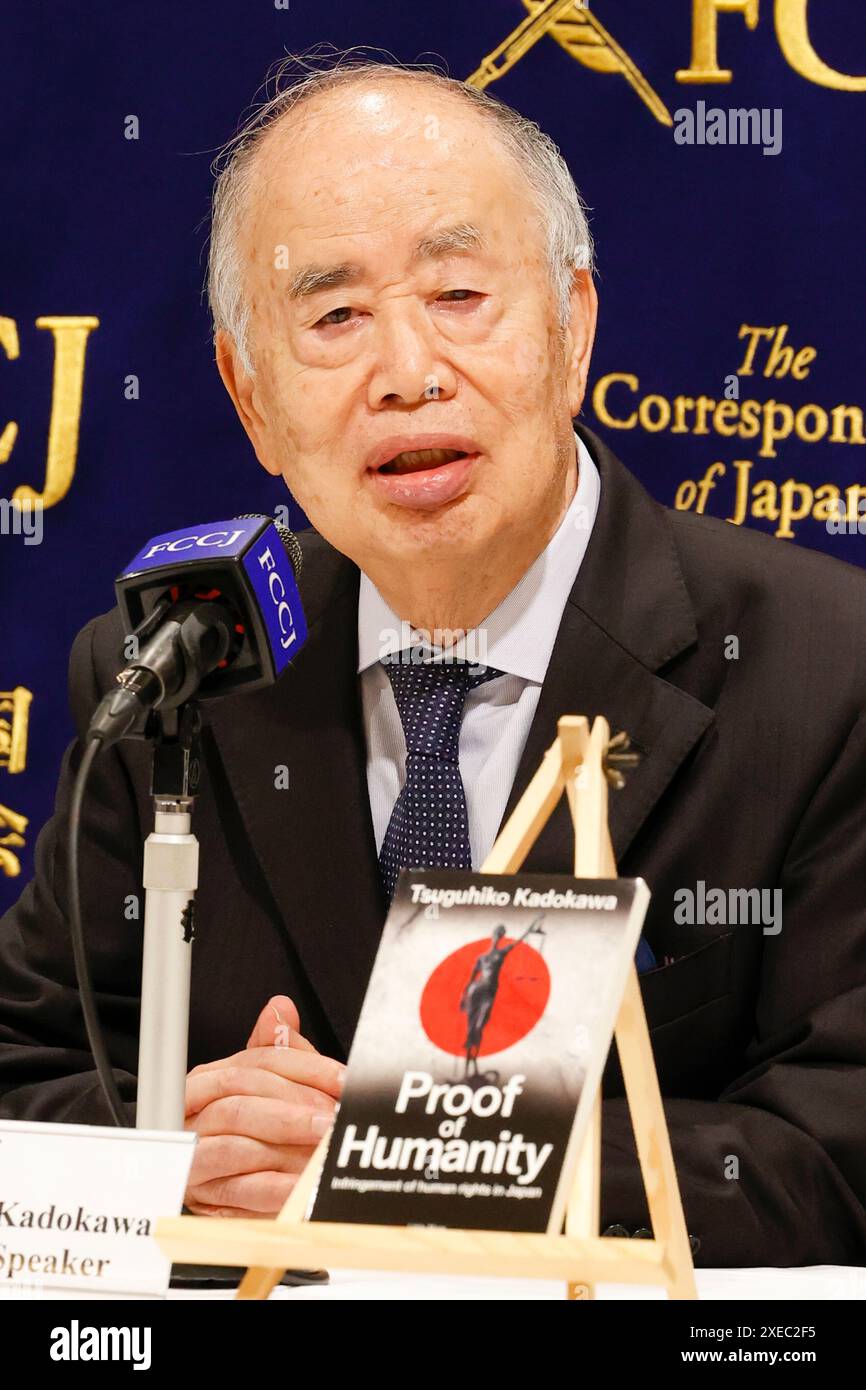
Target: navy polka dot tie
429,825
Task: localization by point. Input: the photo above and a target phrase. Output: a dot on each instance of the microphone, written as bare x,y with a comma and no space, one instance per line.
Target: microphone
211,610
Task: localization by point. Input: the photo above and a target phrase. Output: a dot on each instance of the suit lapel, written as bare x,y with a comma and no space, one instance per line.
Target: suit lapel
628,615
314,841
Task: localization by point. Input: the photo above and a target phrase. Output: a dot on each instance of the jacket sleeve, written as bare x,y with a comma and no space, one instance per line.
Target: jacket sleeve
46,1070
773,1172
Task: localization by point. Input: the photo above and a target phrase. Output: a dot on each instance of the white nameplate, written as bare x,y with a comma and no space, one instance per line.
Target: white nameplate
78,1204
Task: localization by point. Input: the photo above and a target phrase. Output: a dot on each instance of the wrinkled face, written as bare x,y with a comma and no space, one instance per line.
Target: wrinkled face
411,384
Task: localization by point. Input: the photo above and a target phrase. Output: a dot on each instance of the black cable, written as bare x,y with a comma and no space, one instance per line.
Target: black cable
79,949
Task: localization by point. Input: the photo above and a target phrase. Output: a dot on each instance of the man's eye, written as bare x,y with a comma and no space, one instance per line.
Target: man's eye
459,296
335,316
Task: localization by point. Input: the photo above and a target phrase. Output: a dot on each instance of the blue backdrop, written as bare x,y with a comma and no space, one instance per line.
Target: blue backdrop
710,255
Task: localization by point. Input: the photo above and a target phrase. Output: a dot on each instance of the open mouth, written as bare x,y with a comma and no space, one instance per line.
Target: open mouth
430,471
415,460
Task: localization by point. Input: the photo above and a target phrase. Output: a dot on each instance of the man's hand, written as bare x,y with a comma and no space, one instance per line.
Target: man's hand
259,1115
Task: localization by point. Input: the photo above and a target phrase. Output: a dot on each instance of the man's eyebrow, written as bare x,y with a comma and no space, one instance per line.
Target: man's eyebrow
463,236
312,279
448,241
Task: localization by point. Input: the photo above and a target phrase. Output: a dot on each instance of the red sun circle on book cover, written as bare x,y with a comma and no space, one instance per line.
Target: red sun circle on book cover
520,999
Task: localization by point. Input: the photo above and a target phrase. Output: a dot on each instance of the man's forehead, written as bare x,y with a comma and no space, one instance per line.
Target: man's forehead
352,159
392,114
341,188
417,220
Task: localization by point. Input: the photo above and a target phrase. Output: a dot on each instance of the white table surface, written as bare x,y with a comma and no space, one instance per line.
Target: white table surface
832,1282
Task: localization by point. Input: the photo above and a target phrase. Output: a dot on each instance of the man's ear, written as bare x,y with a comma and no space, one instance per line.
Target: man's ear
579,337
242,389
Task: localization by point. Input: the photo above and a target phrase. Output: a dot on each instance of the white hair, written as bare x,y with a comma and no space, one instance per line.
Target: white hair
552,188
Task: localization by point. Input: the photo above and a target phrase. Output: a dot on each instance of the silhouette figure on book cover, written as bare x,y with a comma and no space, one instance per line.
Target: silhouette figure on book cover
481,989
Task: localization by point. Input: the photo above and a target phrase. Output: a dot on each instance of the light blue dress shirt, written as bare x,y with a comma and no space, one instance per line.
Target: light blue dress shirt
517,638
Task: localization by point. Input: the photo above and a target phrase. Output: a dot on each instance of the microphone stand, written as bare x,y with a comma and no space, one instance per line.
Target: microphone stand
170,882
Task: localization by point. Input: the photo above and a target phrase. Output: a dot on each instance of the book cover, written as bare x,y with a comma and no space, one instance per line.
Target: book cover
479,1049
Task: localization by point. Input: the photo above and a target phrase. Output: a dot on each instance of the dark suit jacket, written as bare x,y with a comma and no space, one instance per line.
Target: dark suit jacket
752,776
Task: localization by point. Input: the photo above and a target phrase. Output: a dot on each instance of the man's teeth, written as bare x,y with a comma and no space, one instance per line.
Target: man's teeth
414,459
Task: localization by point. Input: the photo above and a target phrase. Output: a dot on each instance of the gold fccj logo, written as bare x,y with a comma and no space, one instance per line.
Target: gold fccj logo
576,29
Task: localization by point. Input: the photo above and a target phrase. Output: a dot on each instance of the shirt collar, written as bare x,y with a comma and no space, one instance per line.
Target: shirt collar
518,636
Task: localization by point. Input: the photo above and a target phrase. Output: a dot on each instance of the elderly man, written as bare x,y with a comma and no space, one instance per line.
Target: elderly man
402,291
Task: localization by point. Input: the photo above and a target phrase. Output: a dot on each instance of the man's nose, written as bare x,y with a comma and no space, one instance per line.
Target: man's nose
408,366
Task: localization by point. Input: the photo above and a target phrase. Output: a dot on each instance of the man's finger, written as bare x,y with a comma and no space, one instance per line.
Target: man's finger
272,1121
279,1025
216,1083
222,1083
308,1068
231,1155
249,1194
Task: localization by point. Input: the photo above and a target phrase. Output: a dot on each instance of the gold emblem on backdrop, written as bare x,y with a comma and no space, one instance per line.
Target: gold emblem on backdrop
14,727
574,26
14,724
70,346
12,827
576,29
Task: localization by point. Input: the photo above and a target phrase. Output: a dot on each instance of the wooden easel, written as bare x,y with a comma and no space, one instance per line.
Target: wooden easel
579,762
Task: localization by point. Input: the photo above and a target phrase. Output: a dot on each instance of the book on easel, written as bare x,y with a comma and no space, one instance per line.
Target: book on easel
479,1050
580,763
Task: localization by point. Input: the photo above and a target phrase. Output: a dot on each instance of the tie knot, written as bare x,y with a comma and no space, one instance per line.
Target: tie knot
430,697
